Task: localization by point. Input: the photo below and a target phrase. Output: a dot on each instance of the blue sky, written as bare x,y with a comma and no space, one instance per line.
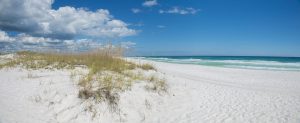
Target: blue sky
199,27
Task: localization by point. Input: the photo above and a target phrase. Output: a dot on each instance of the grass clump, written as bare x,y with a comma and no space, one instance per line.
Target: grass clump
156,84
108,73
146,66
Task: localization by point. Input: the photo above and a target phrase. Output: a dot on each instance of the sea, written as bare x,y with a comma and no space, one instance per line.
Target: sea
240,62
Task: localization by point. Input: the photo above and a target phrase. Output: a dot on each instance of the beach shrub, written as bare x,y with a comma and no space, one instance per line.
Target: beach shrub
146,66
108,72
156,84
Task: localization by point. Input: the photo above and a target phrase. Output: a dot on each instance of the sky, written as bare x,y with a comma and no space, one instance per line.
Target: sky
155,27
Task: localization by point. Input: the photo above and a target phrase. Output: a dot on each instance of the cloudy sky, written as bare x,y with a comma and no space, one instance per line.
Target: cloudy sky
154,27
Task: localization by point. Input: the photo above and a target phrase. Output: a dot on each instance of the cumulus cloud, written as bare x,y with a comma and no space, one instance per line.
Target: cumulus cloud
150,3
178,10
135,10
4,37
26,42
38,18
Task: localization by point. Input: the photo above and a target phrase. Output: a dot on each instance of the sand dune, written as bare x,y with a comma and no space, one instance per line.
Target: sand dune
195,94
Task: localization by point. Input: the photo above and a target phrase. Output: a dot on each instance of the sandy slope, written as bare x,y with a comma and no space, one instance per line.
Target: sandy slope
196,94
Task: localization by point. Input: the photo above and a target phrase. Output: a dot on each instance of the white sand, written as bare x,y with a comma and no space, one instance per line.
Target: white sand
196,94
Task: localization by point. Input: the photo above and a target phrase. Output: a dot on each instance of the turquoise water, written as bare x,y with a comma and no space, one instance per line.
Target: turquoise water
243,62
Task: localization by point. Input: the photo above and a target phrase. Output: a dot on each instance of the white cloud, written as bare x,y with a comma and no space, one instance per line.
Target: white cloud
38,18
150,3
135,10
4,37
178,10
26,42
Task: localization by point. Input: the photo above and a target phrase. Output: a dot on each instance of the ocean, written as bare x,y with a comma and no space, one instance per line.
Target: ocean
242,62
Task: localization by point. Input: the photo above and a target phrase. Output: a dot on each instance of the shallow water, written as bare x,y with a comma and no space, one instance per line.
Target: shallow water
243,62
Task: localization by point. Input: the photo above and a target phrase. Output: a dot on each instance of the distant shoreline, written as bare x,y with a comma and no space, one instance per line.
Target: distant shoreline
213,56
241,62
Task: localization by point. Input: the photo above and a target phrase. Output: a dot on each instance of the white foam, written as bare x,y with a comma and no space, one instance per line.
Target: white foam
246,64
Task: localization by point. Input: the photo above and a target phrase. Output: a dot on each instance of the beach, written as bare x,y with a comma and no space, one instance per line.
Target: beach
149,61
213,94
196,93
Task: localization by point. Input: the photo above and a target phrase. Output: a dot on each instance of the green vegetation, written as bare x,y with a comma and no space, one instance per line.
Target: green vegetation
108,73
156,84
146,66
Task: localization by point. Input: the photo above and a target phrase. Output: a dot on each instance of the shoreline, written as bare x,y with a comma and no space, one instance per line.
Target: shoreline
207,66
251,63
226,74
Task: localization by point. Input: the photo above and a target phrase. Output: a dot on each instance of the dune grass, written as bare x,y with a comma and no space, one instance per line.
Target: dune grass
146,66
108,72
